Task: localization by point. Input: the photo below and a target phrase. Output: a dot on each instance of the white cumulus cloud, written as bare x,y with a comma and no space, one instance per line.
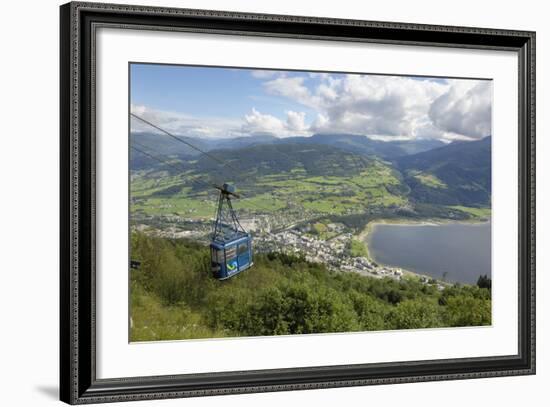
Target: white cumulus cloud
391,106
183,124
464,110
256,122
291,87
295,121
378,106
260,123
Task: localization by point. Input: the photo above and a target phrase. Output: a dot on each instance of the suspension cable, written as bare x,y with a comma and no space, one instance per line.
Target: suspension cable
223,163
196,181
218,160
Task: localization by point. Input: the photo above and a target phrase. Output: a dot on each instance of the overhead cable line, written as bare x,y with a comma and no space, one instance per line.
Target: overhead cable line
213,157
208,184
218,160
196,180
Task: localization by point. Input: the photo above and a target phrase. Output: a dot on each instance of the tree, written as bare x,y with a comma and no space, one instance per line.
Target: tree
484,282
414,314
464,310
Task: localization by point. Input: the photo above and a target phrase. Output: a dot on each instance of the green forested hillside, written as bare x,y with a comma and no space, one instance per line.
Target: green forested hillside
306,180
173,296
319,179
267,159
456,174
364,145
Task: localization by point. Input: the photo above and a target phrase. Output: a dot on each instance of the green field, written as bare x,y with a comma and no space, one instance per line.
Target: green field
332,195
478,213
358,249
430,180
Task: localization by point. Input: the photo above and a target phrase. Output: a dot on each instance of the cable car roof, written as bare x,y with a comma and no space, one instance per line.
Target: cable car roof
223,239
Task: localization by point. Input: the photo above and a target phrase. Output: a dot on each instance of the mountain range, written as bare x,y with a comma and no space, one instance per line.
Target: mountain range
348,142
432,172
456,174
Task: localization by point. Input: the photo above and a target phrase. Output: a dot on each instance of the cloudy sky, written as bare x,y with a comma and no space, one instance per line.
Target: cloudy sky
223,102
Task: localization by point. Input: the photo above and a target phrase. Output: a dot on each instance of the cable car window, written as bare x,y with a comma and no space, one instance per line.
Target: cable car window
231,252
217,256
242,249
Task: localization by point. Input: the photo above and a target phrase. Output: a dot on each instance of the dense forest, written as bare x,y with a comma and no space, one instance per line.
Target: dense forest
173,296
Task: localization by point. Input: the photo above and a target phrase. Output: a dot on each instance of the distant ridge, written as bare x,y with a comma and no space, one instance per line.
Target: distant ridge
357,144
364,145
456,174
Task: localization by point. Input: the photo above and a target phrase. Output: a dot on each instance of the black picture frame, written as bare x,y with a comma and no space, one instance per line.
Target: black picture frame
78,382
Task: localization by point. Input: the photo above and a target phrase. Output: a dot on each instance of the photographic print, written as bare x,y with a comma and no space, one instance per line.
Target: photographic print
318,202
273,202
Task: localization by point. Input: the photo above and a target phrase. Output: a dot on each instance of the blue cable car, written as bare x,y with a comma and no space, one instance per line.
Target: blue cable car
231,245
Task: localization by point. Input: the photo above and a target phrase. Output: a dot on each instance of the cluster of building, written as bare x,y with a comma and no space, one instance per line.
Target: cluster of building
333,252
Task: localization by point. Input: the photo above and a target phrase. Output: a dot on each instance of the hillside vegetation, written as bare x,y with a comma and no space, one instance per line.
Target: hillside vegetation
306,180
457,174
173,296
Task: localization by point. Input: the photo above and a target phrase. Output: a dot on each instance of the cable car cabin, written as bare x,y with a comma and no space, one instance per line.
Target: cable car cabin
231,256
230,245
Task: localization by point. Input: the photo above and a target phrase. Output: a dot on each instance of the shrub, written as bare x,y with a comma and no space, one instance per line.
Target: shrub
281,294
414,314
465,310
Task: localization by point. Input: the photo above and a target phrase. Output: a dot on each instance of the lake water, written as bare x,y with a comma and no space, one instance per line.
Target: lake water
461,250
